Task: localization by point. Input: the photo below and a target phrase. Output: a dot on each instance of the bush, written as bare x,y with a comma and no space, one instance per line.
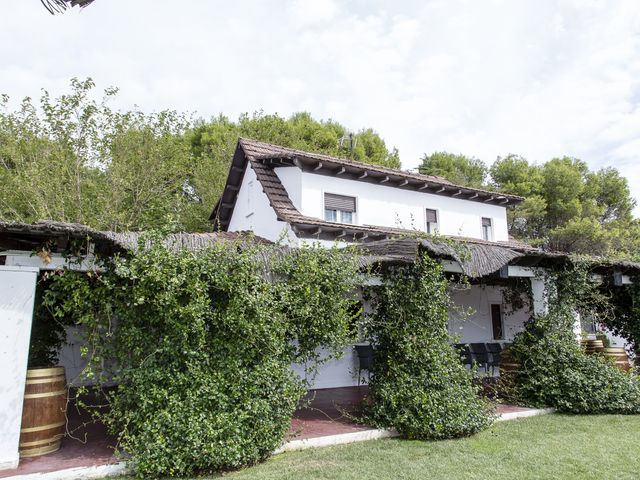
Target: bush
554,370
203,346
418,384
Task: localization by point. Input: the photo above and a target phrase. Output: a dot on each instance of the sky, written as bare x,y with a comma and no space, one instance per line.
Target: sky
539,78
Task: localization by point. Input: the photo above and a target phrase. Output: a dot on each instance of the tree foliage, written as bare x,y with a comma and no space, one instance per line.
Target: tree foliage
567,206
459,169
76,159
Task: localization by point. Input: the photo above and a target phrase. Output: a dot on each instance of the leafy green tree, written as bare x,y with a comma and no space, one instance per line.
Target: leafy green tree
76,159
460,169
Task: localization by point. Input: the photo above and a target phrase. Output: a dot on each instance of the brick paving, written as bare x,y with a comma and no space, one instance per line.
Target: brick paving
324,412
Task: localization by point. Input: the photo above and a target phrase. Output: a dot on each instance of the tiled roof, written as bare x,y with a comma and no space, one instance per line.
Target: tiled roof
264,152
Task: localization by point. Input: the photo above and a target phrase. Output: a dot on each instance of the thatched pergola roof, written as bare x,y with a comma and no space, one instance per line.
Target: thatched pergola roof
477,258
26,236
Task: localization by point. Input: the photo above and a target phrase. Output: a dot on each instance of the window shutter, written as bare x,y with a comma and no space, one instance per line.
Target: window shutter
339,202
486,222
432,216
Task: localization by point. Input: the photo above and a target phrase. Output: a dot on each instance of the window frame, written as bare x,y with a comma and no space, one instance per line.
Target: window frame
436,223
339,213
489,236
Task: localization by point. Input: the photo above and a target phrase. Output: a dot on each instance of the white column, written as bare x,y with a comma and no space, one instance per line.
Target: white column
17,294
540,295
577,325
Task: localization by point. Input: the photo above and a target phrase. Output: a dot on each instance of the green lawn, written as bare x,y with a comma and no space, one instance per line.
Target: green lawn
550,446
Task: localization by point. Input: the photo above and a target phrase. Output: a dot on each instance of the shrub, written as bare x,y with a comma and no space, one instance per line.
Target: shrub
554,370
418,384
203,346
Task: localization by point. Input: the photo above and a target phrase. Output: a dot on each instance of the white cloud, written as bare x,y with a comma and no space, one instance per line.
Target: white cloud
541,79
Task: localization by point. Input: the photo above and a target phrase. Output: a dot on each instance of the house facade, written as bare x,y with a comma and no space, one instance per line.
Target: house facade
281,193
299,197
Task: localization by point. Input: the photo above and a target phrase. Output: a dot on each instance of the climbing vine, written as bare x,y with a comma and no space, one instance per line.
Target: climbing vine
418,385
553,369
200,344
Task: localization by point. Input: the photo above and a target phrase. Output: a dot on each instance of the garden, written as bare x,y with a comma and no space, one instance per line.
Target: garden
197,348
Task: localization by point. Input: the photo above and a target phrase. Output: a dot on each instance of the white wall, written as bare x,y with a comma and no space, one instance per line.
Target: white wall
394,207
253,211
17,293
478,327
342,372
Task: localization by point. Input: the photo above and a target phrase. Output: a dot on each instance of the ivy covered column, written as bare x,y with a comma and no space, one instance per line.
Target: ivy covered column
540,295
541,289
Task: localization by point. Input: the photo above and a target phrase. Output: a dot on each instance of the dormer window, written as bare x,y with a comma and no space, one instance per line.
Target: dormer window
339,208
487,229
432,221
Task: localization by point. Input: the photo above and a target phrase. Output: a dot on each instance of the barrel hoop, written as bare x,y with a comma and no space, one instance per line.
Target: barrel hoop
35,443
39,451
42,427
35,381
45,394
45,372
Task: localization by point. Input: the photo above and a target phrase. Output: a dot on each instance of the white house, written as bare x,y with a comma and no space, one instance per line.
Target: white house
300,197
275,191
285,194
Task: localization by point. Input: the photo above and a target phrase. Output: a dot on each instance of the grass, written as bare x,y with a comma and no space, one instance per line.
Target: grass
546,447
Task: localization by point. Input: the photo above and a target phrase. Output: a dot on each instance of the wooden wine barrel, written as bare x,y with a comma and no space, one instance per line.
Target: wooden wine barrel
619,357
592,346
44,411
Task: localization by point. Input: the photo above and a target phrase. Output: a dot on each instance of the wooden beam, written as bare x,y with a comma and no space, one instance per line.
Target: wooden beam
491,198
441,189
459,192
317,232
403,183
318,166
506,200
364,236
341,171
363,175
343,233
424,187
475,195
385,179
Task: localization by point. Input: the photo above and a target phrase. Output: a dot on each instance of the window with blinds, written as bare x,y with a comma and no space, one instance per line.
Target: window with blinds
432,220
339,208
487,229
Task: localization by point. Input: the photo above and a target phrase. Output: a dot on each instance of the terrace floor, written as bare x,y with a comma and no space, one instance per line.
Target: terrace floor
327,412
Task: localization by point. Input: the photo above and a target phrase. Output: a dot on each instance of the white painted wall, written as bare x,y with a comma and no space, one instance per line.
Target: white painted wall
478,327
394,207
343,372
17,293
378,205
253,211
